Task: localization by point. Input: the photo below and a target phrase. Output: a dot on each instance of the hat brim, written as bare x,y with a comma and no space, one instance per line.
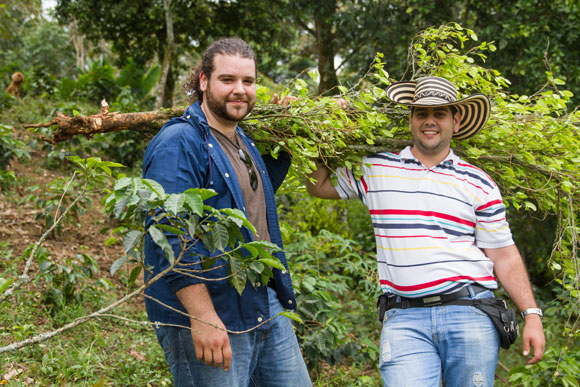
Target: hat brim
474,109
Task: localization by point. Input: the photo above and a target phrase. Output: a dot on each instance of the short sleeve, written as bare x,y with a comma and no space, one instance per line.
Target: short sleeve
492,228
347,186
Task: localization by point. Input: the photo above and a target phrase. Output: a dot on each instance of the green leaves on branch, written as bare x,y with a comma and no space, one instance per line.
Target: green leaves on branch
5,283
93,167
178,223
530,146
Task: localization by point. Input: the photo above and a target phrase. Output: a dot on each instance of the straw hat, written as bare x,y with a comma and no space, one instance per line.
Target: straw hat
436,91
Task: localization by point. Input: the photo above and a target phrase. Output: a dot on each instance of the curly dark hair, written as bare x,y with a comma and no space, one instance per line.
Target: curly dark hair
233,46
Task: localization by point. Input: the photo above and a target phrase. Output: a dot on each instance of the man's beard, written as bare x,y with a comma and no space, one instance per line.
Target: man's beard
220,109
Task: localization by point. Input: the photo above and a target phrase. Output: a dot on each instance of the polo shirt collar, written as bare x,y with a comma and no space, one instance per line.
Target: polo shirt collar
451,158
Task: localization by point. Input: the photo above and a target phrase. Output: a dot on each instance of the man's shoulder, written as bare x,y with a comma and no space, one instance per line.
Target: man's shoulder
469,170
459,162
390,158
176,130
383,155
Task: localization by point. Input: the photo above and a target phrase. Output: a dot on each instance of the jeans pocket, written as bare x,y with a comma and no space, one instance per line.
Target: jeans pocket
477,311
390,314
484,294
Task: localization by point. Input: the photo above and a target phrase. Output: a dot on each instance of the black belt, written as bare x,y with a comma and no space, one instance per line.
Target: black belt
389,302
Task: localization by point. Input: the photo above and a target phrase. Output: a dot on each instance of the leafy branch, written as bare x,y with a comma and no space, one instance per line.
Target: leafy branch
133,198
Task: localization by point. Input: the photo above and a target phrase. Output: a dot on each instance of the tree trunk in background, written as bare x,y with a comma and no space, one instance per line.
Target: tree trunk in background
167,101
78,43
166,84
325,45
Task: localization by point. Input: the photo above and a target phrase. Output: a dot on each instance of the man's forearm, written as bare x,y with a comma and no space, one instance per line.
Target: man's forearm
196,300
322,186
511,273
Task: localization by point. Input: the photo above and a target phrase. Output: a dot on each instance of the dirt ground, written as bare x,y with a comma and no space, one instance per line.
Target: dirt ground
20,228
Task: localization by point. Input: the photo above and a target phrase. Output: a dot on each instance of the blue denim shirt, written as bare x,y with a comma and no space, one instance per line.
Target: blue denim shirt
183,155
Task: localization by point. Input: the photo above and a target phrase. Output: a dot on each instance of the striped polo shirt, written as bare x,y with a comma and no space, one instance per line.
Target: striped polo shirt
429,223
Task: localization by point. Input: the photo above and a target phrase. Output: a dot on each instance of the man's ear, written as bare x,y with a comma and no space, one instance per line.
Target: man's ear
202,82
456,121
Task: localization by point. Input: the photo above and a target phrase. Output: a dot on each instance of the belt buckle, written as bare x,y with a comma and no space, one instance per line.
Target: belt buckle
432,301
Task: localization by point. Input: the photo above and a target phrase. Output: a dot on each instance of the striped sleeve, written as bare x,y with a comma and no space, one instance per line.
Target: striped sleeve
347,186
492,228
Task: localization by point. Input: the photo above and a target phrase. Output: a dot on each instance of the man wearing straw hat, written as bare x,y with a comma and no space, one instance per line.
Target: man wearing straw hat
441,233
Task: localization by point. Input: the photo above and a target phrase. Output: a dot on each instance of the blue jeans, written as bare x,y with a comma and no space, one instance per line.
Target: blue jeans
454,344
267,358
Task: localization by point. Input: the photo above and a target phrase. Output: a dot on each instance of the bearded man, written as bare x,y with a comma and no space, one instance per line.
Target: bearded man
205,148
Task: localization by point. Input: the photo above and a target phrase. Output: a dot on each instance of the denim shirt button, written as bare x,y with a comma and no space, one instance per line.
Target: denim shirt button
227,174
260,319
283,271
289,302
210,145
252,144
188,116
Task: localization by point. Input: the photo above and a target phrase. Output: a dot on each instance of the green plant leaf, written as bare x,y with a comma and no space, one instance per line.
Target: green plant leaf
5,283
134,274
207,263
118,264
132,240
170,229
239,218
273,262
122,183
257,266
220,236
150,79
161,240
155,187
174,204
291,315
194,201
238,279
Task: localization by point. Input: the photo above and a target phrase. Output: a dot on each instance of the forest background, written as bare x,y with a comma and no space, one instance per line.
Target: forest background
70,264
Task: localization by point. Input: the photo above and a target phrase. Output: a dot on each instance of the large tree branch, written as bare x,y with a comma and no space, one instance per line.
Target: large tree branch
66,127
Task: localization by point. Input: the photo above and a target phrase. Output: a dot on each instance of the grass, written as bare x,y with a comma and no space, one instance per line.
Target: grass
106,352
100,352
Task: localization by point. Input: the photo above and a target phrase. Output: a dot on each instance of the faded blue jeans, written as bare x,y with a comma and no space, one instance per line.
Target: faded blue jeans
455,344
269,358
